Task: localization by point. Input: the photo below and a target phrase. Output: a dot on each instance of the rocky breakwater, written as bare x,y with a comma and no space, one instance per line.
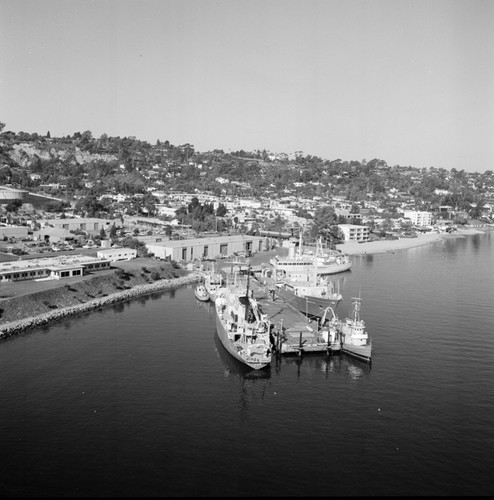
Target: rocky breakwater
19,326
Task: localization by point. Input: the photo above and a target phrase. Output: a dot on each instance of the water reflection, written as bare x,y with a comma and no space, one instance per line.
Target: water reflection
476,242
142,299
119,307
252,383
170,293
335,364
206,306
452,246
307,365
339,280
368,259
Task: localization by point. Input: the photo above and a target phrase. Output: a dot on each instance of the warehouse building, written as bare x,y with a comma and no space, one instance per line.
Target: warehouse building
18,232
91,225
206,248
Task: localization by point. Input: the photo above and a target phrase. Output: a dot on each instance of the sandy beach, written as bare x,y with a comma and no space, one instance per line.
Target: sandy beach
381,246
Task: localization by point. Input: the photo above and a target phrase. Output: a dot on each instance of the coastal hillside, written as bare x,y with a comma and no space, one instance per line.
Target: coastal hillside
17,302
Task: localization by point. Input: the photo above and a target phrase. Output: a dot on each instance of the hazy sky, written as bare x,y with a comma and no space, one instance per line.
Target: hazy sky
410,82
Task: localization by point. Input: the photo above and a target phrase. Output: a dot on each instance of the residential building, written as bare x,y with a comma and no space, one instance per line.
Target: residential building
354,232
418,218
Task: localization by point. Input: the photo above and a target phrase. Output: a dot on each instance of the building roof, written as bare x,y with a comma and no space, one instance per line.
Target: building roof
60,261
80,220
116,250
204,241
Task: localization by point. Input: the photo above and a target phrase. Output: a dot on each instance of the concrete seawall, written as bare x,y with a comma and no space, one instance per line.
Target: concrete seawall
19,326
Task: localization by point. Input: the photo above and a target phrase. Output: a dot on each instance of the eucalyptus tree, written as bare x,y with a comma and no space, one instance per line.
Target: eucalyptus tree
324,222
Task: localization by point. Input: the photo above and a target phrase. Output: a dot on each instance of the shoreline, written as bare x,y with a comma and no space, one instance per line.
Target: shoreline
21,325
383,246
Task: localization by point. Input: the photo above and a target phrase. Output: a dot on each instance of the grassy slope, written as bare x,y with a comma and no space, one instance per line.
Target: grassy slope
24,300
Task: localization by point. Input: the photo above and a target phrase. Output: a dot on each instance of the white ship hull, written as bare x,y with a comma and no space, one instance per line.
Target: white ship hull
241,326
363,352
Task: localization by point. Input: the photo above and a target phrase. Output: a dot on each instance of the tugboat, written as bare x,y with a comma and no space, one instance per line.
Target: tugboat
354,338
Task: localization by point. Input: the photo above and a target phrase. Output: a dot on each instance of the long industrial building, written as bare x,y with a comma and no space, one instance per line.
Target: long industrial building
206,248
59,267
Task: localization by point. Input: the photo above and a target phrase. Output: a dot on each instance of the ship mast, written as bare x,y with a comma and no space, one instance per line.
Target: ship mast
247,294
315,269
356,308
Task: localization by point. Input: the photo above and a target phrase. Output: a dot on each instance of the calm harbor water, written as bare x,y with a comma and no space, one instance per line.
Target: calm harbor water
141,399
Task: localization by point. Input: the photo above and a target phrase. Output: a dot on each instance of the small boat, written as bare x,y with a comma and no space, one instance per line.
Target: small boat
354,338
328,261
201,293
241,326
213,281
208,288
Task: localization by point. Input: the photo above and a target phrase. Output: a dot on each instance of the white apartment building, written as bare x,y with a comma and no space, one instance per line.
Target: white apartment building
418,218
354,232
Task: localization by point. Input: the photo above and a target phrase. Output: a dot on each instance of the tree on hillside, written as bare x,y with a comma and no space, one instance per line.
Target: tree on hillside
324,219
221,210
13,206
56,206
477,210
5,175
113,231
148,202
90,206
140,246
